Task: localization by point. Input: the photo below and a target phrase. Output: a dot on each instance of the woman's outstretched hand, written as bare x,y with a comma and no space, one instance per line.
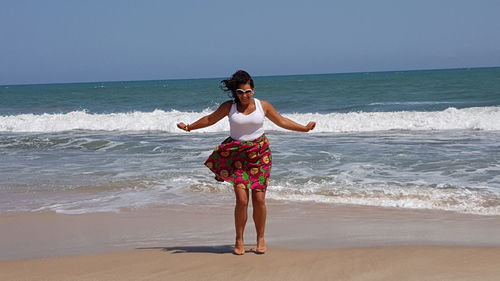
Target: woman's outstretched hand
310,126
181,126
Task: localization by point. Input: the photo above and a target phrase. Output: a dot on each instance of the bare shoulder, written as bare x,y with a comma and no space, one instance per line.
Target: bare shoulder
227,103
266,106
225,107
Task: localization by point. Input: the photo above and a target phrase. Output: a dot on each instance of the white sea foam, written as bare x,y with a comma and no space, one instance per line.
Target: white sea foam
97,199
442,197
193,191
478,202
476,118
411,103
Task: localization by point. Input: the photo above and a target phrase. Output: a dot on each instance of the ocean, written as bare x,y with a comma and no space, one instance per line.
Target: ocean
403,139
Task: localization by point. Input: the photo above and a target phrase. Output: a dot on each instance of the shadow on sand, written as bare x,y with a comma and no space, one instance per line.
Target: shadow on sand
218,249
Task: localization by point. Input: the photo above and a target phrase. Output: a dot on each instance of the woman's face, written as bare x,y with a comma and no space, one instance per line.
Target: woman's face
245,93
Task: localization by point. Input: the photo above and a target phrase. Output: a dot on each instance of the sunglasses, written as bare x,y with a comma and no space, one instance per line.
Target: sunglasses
240,91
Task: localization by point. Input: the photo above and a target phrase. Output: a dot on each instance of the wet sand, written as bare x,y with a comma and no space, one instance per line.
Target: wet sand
305,241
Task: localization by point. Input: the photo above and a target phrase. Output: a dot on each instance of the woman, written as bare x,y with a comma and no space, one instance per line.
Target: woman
244,159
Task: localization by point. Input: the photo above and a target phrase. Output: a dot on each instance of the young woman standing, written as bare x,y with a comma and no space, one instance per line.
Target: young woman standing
244,159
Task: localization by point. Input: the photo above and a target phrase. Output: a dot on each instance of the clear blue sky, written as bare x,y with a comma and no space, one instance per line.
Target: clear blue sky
70,41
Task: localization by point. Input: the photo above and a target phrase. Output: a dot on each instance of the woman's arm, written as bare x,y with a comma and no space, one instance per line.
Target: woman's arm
284,122
208,120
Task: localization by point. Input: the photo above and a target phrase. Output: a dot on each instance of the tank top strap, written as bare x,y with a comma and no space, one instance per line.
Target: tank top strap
233,108
258,105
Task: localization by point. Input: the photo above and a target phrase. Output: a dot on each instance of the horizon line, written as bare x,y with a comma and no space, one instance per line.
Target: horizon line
253,76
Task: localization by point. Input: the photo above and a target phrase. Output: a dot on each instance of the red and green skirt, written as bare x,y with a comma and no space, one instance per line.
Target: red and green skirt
245,164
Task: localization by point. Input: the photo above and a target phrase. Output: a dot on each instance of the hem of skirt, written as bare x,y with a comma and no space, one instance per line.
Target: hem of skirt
219,179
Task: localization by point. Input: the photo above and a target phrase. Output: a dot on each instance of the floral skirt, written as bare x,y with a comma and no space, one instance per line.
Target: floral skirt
245,164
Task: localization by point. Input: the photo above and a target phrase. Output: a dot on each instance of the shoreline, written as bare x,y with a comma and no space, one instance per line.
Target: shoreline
305,242
289,225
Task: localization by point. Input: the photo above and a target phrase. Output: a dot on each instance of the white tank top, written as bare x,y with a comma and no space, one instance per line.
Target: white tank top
246,127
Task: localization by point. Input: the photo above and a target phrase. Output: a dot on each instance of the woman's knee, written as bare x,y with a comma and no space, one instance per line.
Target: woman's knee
241,197
241,202
258,199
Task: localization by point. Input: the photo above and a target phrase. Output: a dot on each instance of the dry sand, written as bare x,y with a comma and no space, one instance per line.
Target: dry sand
209,263
305,241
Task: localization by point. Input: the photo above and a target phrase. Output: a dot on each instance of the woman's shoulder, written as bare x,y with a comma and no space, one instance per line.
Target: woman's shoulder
226,106
265,104
228,102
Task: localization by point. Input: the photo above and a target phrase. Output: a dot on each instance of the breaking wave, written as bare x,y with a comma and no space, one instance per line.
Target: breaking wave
474,118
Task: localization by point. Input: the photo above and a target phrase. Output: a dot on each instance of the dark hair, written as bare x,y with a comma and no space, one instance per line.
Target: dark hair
240,77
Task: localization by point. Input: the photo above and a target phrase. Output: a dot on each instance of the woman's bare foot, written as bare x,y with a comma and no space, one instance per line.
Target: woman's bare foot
239,249
261,246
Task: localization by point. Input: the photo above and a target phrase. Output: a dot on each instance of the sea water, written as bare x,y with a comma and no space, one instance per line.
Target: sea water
406,139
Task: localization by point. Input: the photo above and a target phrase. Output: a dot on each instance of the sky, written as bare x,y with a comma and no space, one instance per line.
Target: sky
118,40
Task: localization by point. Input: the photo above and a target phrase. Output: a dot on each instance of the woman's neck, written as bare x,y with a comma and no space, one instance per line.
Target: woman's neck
243,107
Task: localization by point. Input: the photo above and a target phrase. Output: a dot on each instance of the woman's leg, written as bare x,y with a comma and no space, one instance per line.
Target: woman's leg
259,217
240,218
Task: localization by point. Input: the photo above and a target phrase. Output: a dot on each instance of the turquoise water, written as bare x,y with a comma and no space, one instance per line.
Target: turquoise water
407,139
381,91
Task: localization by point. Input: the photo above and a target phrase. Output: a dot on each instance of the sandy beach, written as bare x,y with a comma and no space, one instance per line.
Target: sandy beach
128,130
215,263
305,241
